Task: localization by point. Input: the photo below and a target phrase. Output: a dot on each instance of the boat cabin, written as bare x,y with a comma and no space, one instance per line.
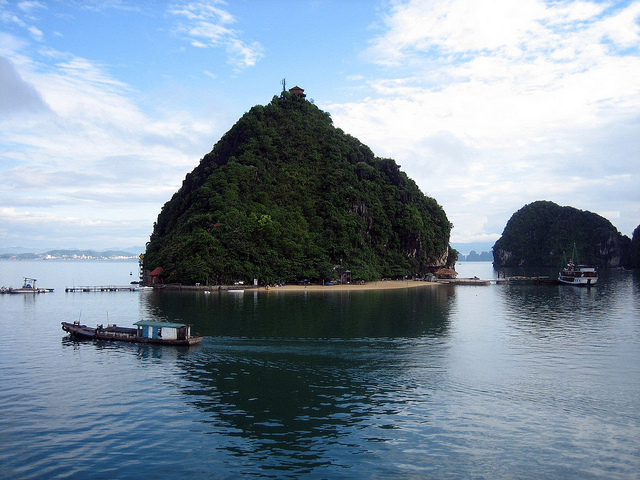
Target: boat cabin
163,330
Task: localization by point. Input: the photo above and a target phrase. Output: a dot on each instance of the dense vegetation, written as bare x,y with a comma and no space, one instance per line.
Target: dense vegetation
284,195
545,234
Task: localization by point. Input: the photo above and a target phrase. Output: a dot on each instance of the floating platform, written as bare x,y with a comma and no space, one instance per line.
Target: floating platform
102,288
535,280
464,281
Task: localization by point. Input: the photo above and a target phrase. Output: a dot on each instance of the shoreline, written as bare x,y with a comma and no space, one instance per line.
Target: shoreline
381,285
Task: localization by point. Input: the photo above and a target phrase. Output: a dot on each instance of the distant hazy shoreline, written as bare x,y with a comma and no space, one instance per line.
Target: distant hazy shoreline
72,255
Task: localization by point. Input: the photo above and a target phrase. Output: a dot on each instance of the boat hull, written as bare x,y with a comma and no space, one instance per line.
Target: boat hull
29,286
578,282
121,334
28,290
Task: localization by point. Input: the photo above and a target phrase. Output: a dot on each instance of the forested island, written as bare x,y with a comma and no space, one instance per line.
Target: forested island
285,196
544,234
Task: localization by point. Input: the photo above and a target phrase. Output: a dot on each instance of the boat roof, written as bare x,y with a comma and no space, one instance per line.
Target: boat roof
157,323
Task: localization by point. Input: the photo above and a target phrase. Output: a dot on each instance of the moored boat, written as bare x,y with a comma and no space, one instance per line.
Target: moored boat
579,275
29,286
146,331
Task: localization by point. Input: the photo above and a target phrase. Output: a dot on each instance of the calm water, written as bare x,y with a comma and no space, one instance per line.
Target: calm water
439,382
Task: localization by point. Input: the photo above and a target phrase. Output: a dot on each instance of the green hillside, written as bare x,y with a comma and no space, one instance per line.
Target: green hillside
284,195
545,234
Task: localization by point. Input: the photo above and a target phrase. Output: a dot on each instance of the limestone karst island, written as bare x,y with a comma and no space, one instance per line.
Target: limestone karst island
285,196
543,234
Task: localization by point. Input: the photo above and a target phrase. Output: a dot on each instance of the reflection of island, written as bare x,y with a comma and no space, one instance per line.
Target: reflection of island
558,310
304,383
306,405
339,314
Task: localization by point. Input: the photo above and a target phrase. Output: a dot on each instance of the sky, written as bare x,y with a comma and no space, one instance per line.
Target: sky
488,105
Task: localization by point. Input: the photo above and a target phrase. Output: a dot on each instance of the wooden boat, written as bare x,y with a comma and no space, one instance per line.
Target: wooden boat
579,275
146,331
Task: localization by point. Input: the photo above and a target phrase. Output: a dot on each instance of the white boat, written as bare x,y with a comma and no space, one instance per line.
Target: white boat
29,286
579,275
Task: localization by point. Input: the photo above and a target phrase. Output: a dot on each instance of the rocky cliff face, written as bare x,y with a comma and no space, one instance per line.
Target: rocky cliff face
612,251
545,234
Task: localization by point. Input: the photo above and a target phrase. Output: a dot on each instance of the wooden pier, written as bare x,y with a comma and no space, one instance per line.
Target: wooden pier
103,288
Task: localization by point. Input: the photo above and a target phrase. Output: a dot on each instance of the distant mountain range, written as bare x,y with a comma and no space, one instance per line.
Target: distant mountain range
17,253
476,257
468,252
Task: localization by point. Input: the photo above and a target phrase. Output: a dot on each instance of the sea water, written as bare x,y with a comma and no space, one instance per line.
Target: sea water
468,382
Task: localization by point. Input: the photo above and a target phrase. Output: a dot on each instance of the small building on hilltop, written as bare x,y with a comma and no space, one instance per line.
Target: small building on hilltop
297,92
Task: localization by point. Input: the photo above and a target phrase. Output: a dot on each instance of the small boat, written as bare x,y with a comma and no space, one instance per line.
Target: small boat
146,331
579,275
29,286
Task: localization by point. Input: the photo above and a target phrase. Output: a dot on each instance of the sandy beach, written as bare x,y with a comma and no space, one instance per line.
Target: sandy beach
382,285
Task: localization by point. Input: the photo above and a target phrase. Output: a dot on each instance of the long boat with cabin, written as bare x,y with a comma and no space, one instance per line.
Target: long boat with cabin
145,331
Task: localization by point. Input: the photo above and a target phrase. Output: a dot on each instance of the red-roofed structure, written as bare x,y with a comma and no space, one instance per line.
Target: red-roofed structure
298,92
155,276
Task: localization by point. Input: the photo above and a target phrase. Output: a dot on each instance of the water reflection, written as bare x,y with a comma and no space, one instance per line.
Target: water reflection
144,351
294,383
259,314
553,310
298,405
312,388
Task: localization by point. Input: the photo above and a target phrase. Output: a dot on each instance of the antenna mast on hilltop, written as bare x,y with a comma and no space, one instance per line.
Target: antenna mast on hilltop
284,85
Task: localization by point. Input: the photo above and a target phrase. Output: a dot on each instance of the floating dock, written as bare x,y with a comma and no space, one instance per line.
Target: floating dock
464,281
103,288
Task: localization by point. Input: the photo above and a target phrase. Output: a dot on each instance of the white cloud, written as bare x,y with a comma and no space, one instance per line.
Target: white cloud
29,6
504,87
88,153
490,99
207,26
35,32
203,11
488,105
